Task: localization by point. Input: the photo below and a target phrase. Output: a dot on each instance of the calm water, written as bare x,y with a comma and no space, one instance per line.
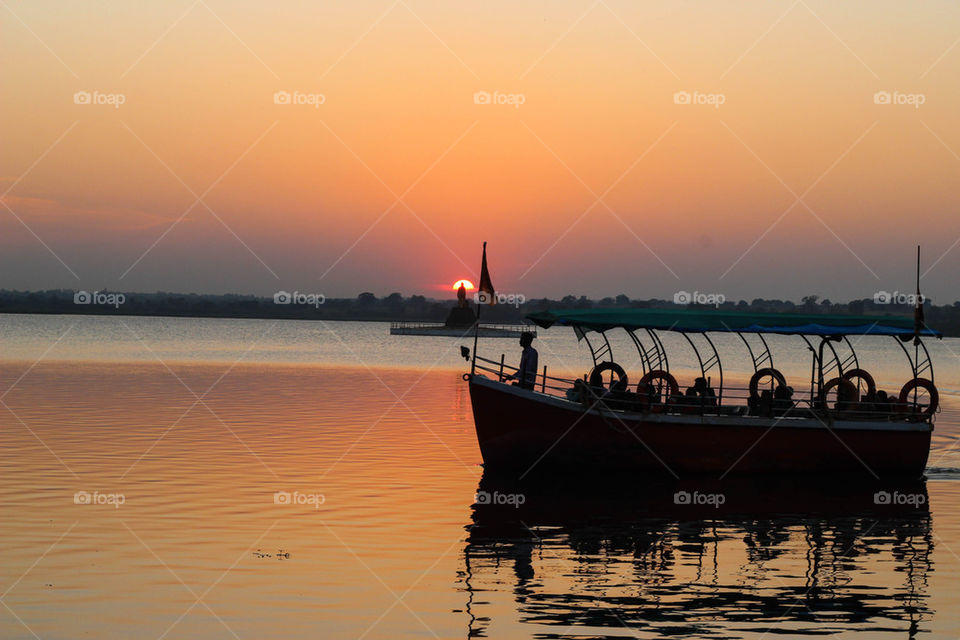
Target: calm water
251,479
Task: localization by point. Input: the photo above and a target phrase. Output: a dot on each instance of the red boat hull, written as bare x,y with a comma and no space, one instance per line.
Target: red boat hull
527,433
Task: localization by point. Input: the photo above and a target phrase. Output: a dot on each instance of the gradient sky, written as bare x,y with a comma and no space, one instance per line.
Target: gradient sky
692,197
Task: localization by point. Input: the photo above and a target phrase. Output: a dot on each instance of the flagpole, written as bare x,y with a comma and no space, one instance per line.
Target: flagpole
918,273
918,303
916,326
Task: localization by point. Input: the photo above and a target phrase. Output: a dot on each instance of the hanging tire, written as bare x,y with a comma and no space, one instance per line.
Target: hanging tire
922,383
844,386
596,376
659,374
763,373
862,374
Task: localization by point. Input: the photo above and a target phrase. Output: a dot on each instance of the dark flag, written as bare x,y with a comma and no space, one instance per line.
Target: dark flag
485,293
918,321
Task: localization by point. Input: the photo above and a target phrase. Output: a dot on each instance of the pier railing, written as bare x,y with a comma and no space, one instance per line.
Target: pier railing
405,324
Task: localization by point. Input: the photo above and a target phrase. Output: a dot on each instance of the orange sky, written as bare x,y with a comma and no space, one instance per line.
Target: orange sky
299,196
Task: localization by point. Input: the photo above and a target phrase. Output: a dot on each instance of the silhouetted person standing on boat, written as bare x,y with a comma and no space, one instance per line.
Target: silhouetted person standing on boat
462,296
526,376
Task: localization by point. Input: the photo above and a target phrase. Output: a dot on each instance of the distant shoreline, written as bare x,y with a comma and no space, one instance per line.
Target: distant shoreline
123,314
396,308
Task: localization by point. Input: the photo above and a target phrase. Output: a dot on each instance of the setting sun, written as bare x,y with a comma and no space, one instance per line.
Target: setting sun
466,285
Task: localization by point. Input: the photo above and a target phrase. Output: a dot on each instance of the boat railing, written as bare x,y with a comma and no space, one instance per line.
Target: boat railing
736,401
543,383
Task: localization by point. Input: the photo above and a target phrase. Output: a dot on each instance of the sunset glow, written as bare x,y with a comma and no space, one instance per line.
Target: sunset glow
232,358
307,123
466,285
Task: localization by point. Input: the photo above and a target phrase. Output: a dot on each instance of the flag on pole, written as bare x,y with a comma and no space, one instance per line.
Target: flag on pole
485,293
918,321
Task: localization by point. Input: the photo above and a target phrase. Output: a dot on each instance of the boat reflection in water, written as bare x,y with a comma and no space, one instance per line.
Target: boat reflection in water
731,559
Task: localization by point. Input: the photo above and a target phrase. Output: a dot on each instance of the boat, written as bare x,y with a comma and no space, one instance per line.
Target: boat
840,425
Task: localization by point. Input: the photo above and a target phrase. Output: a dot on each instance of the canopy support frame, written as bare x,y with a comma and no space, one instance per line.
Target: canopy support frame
662,361
818,358
711,362
602,351
814,367
765,356
918,364
836,363
644,355
852,358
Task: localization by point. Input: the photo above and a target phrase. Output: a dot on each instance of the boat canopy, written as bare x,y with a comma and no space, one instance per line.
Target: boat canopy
703,320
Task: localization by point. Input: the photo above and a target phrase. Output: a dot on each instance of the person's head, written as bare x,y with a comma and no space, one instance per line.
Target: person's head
526,339
882,396
700,383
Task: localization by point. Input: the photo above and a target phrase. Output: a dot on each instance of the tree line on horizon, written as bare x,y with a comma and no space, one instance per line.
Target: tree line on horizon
396,307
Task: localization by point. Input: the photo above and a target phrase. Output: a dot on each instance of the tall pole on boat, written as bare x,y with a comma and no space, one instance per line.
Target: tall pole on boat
917,321
918,310
918,268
